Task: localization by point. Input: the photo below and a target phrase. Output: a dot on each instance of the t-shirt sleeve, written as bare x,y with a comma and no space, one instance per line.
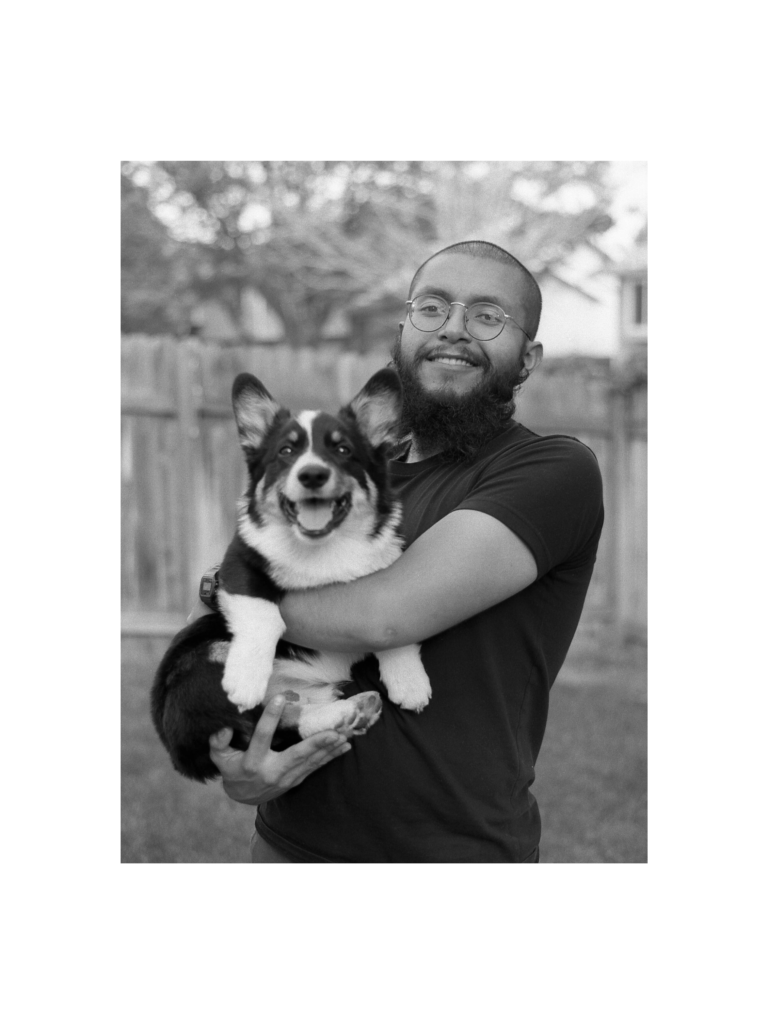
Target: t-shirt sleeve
550,494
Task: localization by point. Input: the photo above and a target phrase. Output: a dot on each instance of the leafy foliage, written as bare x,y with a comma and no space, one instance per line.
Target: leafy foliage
155,296
314,236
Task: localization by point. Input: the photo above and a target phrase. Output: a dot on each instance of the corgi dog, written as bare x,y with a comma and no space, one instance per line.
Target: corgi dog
318,509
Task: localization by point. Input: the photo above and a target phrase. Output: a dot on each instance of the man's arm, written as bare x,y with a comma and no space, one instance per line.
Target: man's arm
462,565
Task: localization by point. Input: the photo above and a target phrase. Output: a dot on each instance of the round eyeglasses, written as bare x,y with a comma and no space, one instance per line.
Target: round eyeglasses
484,320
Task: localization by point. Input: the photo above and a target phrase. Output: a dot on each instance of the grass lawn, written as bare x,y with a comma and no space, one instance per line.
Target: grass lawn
591,775
167,818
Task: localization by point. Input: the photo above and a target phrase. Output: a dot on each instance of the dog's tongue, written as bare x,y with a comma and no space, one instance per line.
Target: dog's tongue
315,515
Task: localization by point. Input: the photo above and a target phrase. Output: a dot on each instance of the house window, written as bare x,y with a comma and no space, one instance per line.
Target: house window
640,312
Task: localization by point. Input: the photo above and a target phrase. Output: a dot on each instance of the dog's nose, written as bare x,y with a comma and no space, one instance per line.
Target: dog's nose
313,477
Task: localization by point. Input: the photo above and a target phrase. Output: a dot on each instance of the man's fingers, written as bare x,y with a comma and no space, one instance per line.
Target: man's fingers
261,740
316,760
331,745
307,759
219,749
311,749
292,765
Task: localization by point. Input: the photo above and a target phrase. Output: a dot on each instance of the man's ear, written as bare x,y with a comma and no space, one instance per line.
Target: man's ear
255,409
377,408
533,355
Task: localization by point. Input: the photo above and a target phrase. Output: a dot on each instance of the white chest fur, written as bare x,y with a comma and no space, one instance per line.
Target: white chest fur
299,563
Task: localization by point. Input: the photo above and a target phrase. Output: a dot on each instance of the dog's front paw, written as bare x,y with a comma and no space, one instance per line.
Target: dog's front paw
245,680
257,626
404,677
411,696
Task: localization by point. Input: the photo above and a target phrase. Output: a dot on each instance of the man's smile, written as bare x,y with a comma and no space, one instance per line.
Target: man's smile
455,360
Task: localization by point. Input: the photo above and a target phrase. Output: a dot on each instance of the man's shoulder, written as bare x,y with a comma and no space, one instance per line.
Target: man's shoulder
546,464
547,488
520,440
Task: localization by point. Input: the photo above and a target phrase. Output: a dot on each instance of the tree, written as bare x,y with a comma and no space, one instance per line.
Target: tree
155,293
315,235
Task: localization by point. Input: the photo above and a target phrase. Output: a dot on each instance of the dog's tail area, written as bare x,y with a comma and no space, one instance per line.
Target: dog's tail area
188,703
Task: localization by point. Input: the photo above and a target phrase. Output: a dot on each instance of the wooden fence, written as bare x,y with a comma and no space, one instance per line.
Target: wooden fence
182,470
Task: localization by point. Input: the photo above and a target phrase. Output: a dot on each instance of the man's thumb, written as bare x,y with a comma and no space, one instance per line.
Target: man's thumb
220,740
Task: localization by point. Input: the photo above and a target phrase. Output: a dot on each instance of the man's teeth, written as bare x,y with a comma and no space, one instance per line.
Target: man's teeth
452,361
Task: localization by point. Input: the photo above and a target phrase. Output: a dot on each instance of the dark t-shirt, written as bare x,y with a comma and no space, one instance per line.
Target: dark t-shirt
452,784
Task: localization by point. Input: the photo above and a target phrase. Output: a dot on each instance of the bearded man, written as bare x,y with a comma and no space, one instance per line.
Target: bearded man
502,527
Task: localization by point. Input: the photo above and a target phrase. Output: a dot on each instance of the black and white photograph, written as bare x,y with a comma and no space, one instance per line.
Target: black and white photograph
384,527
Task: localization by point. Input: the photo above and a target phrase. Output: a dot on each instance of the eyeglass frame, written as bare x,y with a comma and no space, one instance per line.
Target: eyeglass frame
410,302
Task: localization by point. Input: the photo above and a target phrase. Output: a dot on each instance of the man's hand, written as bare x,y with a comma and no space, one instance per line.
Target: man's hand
259,774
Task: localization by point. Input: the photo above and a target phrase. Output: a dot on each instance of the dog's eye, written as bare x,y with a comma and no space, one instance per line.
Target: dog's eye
343,449
287,449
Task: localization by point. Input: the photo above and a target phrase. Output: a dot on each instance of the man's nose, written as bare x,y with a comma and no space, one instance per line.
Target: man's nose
455,327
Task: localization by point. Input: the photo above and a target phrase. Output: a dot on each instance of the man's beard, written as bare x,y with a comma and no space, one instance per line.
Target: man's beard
456,425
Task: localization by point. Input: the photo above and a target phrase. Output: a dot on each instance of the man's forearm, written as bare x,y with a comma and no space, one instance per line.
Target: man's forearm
347,617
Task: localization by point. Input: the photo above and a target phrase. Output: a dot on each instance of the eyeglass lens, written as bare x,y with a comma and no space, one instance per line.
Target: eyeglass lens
484,319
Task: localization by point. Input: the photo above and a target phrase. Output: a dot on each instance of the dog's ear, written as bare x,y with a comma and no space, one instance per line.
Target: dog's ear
377,408
255,409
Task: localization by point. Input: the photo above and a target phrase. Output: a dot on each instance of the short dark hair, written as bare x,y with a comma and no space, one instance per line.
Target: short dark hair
489,251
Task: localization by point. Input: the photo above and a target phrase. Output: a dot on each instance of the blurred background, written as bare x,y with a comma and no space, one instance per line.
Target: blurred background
298,271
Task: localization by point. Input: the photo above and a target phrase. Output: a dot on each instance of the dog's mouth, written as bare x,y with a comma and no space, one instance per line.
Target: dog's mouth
316,517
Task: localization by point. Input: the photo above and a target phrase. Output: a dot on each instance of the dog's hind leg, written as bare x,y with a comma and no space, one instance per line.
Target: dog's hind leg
351,717
313,689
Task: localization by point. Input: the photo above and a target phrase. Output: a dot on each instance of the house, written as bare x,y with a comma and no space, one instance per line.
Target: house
633,301
579,314
213,322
